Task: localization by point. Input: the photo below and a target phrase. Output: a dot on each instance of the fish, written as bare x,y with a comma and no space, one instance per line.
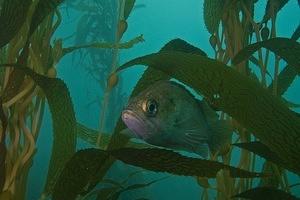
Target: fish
167,114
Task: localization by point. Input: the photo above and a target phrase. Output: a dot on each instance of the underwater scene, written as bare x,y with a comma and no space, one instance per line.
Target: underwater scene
149,99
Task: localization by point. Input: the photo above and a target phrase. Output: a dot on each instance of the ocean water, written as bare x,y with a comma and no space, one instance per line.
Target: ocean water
159,22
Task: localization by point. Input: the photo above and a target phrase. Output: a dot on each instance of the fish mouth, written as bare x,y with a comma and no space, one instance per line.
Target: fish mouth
135,123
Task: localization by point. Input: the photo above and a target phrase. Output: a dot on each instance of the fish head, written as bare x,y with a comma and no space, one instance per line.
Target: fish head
149,113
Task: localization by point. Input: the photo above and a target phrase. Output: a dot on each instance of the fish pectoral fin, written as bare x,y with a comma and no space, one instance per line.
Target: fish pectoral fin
220,135
128,133
197,144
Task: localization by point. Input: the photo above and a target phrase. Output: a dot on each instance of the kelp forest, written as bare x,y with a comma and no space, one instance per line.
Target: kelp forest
244,82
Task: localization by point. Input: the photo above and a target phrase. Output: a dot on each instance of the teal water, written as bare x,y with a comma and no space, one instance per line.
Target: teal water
159,22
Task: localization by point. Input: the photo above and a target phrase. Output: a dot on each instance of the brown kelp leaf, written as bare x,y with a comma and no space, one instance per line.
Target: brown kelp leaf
242,98
64,122
263,193
79,174
162,160
274,180
3,150
272,8
12,16
286,48
129,4
261,150
43,9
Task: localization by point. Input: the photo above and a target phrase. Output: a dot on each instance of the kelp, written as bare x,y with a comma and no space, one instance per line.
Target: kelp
90,136
287,49
129,4
12,16
81,172
163,160
149,77
117,194
272,8
43,8
64,122
288,74
242,98
260,193
212,14
105,45
116,189
79,175
3,149
261,150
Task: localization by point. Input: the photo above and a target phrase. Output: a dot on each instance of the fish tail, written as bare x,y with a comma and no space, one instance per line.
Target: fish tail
220,135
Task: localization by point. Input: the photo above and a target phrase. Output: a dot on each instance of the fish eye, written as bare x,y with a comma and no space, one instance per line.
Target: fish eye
150,107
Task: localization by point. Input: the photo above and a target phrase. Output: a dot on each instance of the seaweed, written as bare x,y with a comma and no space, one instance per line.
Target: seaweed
261,150
287,49
260,193
212,14
64,122
12,17
247,102
81,172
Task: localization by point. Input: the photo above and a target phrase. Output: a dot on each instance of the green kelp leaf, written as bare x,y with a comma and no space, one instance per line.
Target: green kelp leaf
285,79
103,193
43,9
162,160
116,195
150,76
79,174
261,150
274,180
288,74
290,104
296,33
64,123
129,4
263,193
273,6
13,15
212,11
90,135
286,48
242,98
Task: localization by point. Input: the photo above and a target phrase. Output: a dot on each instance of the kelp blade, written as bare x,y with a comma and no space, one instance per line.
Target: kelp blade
13,15
81,172
162,160
242,98
64,123
261,150
263,193
286,48
43,9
